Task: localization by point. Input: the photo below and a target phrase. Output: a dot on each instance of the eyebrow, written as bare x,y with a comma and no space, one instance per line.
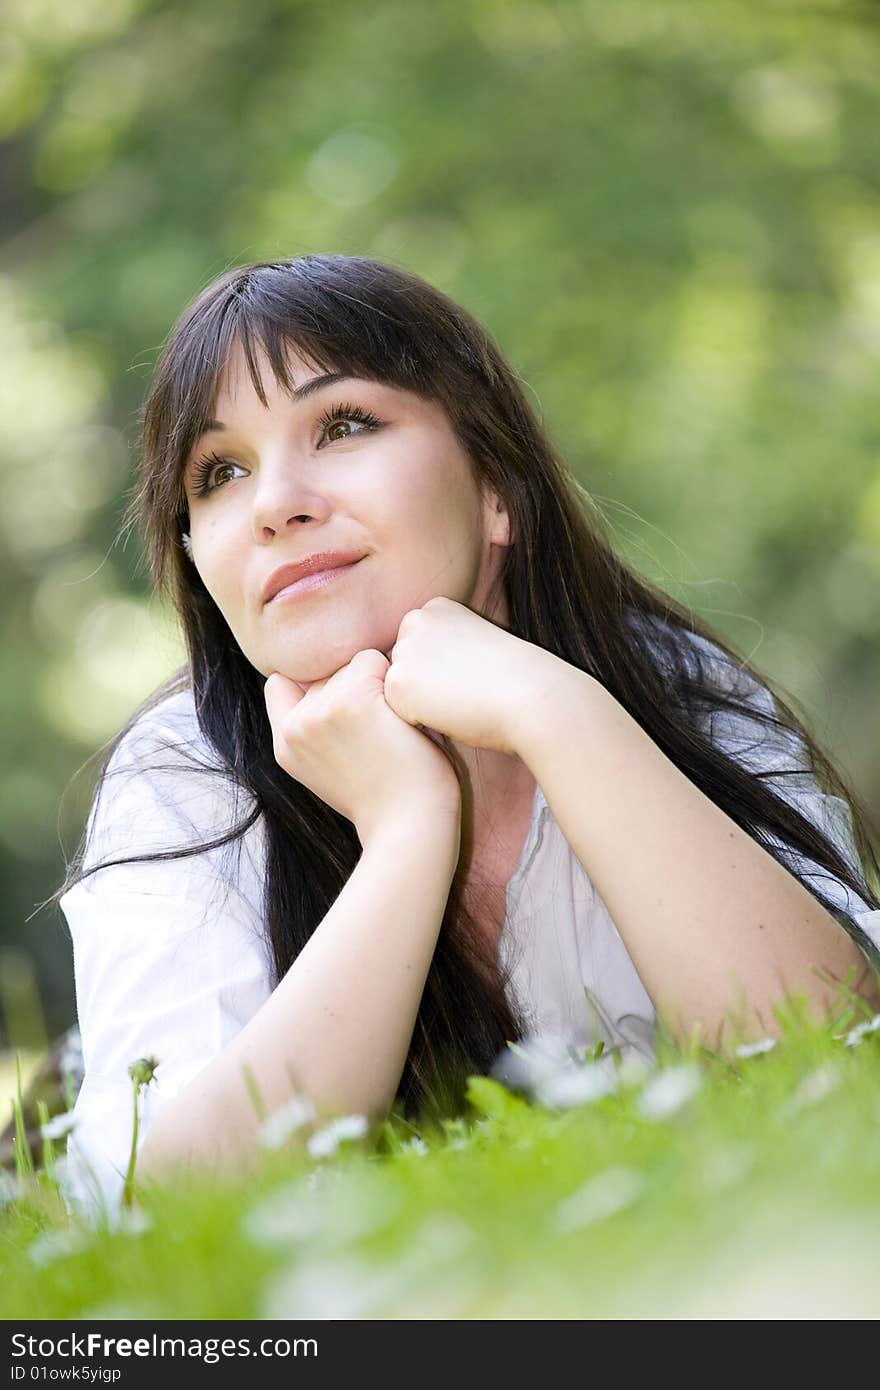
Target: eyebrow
308,388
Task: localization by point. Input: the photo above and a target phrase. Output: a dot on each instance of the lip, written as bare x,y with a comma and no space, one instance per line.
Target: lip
313,572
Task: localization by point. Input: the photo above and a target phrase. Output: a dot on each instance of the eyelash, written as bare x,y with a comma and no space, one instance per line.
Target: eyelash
206,465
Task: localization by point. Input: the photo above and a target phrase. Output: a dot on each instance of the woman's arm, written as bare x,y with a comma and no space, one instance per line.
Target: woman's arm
717,929
338,1026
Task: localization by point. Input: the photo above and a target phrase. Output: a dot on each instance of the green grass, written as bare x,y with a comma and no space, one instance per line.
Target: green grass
756,1194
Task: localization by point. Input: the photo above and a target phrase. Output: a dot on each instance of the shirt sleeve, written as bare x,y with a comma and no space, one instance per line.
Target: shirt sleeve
783,756
170,956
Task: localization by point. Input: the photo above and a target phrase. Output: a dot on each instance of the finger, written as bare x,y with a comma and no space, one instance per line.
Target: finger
366,657
281,695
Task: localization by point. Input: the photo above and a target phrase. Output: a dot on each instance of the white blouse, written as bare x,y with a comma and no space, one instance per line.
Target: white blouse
171,959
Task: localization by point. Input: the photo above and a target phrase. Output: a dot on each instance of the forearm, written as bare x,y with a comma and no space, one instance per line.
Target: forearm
717,929
338,1026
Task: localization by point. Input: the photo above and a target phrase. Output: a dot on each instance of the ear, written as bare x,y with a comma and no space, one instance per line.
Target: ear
496,518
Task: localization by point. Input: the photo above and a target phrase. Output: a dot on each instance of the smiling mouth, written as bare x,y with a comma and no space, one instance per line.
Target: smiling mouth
310,582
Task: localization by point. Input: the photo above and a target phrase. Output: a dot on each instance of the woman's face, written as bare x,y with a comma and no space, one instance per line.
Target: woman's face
401,494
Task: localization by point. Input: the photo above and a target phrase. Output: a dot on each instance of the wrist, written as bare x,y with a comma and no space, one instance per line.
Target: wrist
550,694
423,821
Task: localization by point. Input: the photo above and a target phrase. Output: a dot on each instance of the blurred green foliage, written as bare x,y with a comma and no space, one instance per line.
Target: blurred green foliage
666,212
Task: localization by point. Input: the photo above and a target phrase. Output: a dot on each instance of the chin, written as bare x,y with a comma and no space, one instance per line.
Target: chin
332,657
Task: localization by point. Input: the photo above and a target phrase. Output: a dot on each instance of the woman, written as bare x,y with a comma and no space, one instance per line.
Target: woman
479,781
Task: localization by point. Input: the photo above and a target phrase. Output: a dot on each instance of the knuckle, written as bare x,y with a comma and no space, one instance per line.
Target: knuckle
348,706
307,722
292,728
332,709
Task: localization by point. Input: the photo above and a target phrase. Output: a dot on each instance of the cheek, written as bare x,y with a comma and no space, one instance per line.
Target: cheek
221,568
432,507
442,560
230,608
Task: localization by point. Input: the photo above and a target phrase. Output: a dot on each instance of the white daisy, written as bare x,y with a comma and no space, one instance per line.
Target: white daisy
668,1090
754,1049
861,1030
285,1121
52,1245
416,1144
576,1085
816,1085
602,1196
325,1142
58,1126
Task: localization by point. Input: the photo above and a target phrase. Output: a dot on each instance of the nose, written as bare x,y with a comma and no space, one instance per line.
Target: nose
283,496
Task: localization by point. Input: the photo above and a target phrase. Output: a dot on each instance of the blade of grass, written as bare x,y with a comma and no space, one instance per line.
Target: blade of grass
24,1159
48,1144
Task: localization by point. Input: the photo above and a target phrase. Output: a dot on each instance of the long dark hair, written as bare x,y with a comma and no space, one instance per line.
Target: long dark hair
566,589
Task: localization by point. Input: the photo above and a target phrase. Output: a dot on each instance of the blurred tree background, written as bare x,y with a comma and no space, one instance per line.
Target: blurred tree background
666,212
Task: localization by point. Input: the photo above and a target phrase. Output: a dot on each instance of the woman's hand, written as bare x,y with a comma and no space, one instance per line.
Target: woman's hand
455,672
341,739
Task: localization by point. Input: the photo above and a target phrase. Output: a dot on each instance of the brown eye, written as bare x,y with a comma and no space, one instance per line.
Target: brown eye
344,414
204,470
